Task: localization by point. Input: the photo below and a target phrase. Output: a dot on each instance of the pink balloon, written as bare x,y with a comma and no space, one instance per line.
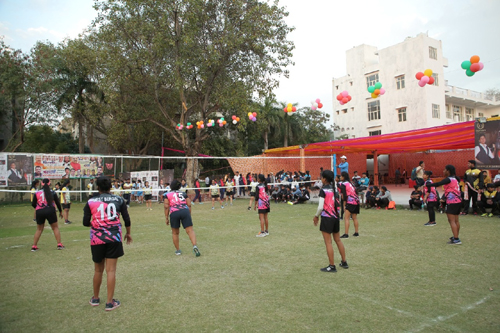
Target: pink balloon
424,79
220,124
421,83
382,91
342,103
318,100
313,108
254,119
481,66
344,93
202,125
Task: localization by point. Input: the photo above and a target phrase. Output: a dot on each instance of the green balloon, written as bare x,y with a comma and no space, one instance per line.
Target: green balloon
371,89
378,85
466,65
469,72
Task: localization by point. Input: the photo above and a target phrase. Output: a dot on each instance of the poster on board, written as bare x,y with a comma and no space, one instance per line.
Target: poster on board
19,170
68,166
487,144
3,170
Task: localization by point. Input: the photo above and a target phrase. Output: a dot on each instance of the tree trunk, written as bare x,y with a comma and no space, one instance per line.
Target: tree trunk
90,136
192,166
81,139
266,139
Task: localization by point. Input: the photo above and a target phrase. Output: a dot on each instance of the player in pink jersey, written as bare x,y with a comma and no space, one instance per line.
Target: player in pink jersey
328,209
453,201
262,202
430,198
45,202
351,203
177,207
102,215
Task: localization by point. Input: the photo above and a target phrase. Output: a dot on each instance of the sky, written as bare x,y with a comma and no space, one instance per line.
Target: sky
324,31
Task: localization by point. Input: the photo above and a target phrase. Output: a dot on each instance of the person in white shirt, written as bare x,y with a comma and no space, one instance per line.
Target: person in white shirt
237,181
148,194
483,153
497,177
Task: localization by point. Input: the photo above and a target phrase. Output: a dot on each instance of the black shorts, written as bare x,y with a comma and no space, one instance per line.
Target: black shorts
228,193
353,209
329,225
181,216
148,197
66,206
48,214
108,250
264,211
252,194
453,209
215,196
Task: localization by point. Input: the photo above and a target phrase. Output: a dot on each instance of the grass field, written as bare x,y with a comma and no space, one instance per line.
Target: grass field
402,276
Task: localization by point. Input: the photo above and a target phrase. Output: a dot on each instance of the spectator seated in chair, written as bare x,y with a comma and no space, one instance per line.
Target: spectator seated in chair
416,198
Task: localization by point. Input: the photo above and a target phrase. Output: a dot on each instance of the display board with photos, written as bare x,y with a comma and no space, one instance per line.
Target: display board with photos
487,143
68,166
16,170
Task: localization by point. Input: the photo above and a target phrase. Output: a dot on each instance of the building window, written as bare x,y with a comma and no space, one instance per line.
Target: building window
338,112
435,111
457,113
374,110
469,114
433,54
400,82
344,110
350,83
402,114
448,111
352,109
371,80
337,87
372,133
480,114
436,79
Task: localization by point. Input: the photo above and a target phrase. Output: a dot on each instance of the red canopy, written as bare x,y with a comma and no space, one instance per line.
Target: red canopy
454,136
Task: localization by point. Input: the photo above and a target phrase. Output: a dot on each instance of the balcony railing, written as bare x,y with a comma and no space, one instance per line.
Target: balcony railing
471,93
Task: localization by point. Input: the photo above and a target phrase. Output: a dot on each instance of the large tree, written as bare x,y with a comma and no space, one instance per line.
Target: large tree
191,60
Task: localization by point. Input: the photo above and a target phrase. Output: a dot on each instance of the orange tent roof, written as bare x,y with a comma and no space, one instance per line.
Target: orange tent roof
454,136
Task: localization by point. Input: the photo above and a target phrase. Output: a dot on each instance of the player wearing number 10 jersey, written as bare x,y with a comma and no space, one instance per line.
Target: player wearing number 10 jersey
102,214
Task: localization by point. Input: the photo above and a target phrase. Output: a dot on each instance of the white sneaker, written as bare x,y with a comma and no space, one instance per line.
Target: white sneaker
267,233
213,208
261,234
221,207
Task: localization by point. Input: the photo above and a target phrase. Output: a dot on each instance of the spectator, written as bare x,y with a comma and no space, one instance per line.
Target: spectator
197,191
473,180
356,179
303,197
397,177
383,198
420,174
489,199
364,182
344,165
431,198
237,178
416,198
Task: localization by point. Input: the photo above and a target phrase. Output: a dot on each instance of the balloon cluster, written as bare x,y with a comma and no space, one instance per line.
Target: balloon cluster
376,90
252,116
425,77
221,122
179,127
237,119
290,108
316,104
200,124
472,66
344,97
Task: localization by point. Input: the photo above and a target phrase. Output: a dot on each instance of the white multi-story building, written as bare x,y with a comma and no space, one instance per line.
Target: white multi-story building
405,105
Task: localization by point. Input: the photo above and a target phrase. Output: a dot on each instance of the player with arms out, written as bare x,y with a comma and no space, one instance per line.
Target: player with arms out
45,202
328,209
262,202
102,215
177,207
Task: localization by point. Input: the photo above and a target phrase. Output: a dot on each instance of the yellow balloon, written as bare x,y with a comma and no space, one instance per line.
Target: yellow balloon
289,109
374,95
428,72
289,105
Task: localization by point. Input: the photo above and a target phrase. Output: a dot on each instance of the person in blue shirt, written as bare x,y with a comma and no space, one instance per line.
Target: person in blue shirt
344,165
364,182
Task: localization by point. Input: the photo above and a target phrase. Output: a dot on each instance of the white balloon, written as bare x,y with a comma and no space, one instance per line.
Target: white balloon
315,104
235,122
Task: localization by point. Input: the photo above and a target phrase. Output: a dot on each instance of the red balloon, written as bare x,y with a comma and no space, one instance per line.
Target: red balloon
320,105
349,97
345,100
254,114
285,109
294,109
419,75
339,97
431,80
475,67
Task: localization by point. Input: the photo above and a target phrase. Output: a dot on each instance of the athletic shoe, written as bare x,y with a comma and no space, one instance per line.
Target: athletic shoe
231,203
34,248
463,213
355,234
378,208
196,251
178,252
221,207
329,269
60,246
113,305
34,220
261,234
266,232
344,264
344,236
193,203
430,224
484,215
213,208
475,213
94,301
249,208
455,241
490,215
68,222
290,203
201,203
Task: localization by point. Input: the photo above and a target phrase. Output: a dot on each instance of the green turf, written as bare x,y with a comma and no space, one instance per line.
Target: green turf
402,275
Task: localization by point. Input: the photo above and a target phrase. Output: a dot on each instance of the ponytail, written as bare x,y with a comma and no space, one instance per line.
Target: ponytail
47,192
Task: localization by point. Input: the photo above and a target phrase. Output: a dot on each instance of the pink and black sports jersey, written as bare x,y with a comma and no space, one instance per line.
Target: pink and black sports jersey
41,201
262,197
330,207
104,212
452,191
350,192
433,197
177,200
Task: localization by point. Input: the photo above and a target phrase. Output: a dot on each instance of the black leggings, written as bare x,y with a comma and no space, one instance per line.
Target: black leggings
430,209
